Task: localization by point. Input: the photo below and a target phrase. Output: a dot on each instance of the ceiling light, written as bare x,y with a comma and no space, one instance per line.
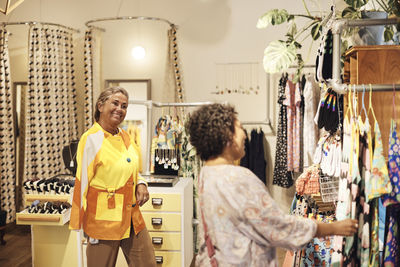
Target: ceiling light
138,52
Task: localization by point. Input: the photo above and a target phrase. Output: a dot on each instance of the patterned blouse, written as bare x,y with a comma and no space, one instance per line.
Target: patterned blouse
244,223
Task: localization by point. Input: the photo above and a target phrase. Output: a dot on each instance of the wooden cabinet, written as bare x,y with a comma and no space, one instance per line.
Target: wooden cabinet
168,215
376,64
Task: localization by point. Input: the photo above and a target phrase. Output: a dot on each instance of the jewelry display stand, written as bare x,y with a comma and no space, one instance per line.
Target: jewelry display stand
53,244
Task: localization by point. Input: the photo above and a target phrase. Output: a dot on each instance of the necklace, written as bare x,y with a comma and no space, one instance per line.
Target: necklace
71,163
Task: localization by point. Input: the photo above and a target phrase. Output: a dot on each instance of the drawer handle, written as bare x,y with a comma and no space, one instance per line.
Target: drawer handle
156,221
159,259
157,240
156,201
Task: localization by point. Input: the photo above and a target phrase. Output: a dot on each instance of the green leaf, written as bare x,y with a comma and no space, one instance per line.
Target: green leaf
315,31
297,44
356,3
278,56
274,17
388,34
350,13
292,28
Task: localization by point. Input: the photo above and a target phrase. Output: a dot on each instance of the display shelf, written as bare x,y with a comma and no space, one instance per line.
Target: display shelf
26,218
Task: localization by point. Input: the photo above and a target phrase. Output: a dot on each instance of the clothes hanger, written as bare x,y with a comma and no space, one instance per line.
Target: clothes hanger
370,108
363,103
349,104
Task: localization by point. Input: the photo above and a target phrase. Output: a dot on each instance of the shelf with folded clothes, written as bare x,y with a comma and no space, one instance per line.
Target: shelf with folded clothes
56,185
26,218
42,212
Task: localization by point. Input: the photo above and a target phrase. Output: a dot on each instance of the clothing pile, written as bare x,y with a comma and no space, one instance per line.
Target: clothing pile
48,207
54,185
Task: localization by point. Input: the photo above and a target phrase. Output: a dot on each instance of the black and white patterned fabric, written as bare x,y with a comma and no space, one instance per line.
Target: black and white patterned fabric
282,177
7,138
92,59
174,61
88,108
50,109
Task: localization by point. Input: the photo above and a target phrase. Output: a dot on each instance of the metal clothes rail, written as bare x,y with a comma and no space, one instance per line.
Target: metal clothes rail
268,122
337,28
30,23
91,22
150,104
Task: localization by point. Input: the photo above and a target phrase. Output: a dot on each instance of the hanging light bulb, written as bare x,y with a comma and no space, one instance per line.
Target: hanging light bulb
138,52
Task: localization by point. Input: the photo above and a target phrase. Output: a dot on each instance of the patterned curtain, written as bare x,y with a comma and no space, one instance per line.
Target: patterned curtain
50,105
174,59
7,137
92,73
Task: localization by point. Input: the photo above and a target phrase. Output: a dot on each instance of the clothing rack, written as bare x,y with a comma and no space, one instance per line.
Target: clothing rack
266,122
337,27
90,22
31,23
304,66
150,104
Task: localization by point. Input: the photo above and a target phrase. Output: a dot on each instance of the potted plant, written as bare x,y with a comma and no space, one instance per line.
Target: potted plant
280,54
358,9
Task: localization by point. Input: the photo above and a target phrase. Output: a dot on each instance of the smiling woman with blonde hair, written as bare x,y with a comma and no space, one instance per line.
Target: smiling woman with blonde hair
109,190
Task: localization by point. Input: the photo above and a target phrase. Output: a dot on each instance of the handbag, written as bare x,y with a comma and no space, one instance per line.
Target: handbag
210,246
207,239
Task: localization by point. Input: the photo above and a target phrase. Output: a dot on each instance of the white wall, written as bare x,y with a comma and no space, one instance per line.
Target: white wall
210,32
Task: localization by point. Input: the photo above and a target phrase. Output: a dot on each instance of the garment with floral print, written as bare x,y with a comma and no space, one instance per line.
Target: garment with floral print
394,167
244,223
391,256
379,180
190,165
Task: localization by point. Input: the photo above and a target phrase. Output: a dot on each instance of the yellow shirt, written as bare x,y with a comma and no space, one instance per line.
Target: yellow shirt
108,172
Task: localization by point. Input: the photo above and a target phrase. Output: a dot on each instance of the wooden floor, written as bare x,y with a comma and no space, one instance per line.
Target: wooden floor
17,251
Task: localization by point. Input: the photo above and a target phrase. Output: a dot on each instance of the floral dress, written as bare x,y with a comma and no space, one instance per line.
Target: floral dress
391,250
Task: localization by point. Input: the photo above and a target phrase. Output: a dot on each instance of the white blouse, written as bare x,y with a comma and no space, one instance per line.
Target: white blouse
244,222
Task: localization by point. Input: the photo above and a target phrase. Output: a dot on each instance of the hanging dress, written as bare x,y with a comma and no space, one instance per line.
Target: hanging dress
310,132
391,250
282,177
394,167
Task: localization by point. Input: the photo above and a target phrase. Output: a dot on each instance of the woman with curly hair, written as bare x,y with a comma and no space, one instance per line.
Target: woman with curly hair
240,224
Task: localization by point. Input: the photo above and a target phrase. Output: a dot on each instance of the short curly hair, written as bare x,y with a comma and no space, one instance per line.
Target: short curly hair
210,128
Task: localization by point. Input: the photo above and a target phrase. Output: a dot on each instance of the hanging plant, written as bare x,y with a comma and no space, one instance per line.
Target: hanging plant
279,55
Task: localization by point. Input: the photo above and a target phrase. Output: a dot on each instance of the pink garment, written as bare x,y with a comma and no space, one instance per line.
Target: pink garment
308,182
244,222
292,101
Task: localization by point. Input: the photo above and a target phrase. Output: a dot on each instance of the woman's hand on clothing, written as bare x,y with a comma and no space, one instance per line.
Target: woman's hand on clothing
142,195
346,227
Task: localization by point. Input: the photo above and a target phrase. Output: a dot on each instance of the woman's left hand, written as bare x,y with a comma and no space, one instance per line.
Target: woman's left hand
142,195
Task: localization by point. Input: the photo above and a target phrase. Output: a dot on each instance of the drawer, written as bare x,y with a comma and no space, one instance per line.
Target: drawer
163,202
166,241
24,217
168,259
162,221
29,198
